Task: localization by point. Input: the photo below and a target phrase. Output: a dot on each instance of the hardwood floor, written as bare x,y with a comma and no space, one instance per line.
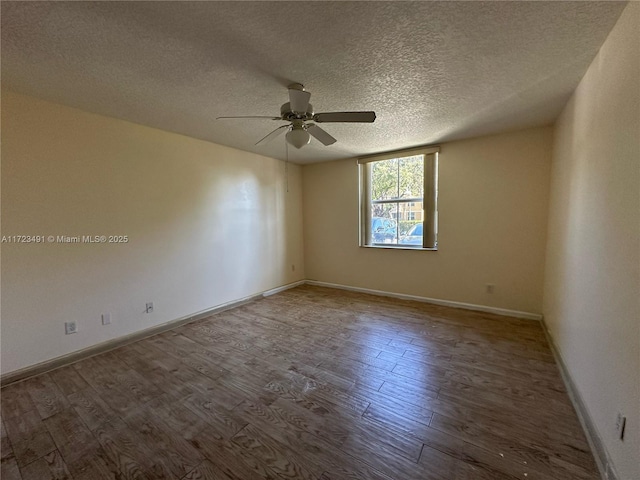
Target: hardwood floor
311,383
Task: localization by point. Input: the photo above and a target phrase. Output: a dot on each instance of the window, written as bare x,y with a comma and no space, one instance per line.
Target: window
399,199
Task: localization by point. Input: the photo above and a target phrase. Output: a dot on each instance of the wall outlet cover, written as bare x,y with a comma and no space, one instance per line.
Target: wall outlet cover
70,327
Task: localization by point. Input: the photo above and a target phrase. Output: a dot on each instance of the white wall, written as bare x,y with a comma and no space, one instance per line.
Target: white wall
207,225
592,280
492,209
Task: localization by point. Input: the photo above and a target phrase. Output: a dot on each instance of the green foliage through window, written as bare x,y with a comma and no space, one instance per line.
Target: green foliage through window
398,178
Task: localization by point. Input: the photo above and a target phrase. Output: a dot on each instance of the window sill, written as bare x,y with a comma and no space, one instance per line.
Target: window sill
394,247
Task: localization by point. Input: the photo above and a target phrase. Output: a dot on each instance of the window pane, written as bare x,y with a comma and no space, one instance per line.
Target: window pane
384,180
411,175
384,228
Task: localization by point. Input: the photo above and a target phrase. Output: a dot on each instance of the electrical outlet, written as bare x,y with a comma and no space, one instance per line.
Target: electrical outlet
621,423
70,327
490,287
106,319
149,308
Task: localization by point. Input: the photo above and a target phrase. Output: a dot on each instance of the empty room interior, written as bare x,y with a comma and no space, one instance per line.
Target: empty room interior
320,240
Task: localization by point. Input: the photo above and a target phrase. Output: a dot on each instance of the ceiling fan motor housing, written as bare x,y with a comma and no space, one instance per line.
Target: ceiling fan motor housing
289,116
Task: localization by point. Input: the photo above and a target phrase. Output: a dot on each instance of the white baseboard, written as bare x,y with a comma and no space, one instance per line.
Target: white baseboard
273,291
603,460
435,301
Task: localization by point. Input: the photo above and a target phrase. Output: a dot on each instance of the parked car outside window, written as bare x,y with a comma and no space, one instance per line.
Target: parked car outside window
413,236
384,230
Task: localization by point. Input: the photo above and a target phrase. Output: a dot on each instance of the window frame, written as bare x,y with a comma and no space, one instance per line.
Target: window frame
429,199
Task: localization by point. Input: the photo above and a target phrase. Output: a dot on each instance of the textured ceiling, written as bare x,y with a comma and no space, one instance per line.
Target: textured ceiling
432,71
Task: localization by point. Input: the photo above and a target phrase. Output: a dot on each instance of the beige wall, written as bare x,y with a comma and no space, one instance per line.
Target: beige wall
592,280
207,225
492,226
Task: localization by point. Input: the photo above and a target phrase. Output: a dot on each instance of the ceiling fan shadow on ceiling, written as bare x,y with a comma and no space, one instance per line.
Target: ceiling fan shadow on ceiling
299,113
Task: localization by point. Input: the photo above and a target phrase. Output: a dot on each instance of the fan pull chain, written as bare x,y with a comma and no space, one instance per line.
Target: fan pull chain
286,166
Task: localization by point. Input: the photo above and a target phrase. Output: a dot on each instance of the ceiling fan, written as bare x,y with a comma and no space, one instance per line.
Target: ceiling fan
299,113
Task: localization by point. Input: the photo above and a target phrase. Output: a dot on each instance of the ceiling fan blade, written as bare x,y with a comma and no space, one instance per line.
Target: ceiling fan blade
299,100
320,134
363,117
268,138
251,116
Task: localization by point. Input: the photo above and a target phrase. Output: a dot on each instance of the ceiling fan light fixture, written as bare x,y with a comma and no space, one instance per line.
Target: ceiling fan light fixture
298,137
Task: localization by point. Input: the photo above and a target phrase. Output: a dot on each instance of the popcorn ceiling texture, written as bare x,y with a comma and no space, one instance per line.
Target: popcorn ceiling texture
432,71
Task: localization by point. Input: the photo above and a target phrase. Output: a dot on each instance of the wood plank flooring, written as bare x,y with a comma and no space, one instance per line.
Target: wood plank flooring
313,384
